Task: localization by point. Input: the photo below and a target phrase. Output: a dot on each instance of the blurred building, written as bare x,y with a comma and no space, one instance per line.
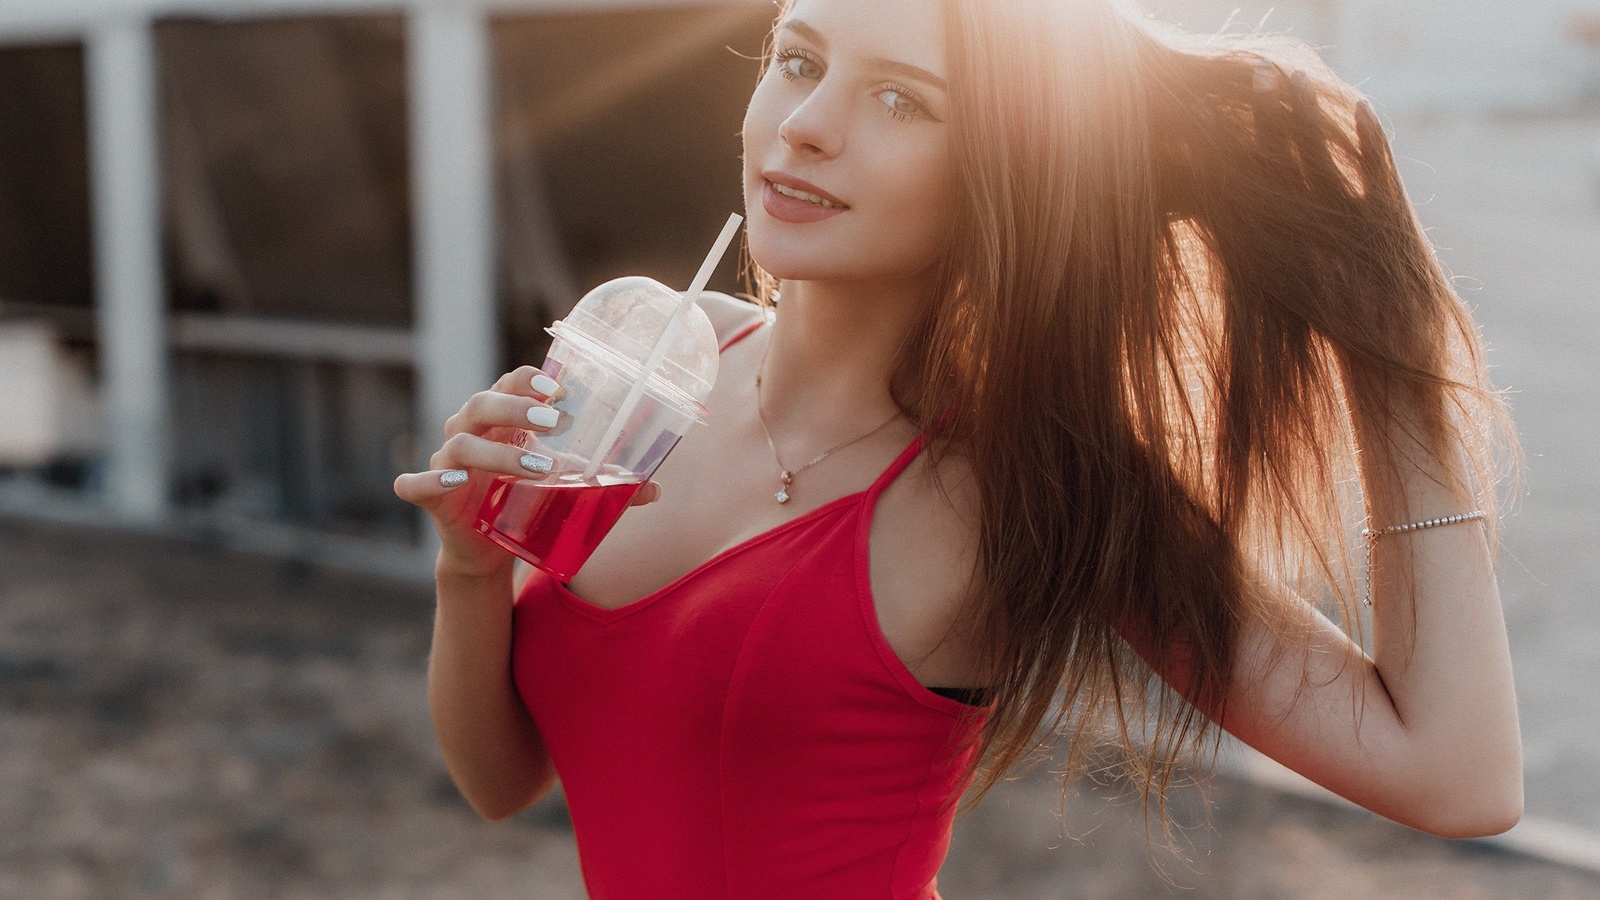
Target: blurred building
253,252
269,245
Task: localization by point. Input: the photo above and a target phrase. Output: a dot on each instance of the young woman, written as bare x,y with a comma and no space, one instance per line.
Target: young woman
1097,347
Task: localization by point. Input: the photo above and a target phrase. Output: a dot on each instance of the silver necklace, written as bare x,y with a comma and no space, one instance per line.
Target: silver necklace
786,475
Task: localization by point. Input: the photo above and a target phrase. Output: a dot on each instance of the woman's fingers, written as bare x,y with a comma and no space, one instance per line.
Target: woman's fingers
528,381
487,437
422,488
469,451
463,459
650,493
492,409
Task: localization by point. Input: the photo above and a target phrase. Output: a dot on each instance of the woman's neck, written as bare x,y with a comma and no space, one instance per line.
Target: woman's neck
833,351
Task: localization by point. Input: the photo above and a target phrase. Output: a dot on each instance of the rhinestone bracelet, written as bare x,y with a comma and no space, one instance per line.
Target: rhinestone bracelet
1387,530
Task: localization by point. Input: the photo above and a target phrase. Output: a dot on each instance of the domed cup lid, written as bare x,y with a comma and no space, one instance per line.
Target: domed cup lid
625,317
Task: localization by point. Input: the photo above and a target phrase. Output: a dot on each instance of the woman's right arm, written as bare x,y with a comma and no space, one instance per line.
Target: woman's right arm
490,743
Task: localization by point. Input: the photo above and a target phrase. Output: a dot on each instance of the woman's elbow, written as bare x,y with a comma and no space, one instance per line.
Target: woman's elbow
1484,811
493,811
501,800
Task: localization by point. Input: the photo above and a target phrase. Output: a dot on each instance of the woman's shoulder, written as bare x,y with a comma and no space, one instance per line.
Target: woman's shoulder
932,512
729,313
923,560
944,487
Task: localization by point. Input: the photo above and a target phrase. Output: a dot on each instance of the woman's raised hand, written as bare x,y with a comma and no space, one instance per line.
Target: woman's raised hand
486,439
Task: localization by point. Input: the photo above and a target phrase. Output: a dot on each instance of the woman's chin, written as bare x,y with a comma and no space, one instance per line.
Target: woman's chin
793,271
788,264
784,272
789,259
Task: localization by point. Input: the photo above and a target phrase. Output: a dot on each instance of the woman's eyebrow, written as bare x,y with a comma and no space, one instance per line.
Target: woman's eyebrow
905,70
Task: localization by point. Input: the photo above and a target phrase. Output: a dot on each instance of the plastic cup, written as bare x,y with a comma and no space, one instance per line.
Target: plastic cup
619,419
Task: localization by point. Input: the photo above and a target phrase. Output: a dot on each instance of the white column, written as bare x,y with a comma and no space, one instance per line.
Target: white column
453,209
130,306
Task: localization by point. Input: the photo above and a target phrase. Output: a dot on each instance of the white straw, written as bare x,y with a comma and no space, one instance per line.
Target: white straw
718,249
710,265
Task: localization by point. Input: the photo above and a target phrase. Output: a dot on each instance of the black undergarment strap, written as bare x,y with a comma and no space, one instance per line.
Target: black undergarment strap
969,696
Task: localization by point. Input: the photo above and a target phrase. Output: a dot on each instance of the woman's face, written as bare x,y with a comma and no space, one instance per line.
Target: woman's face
851,112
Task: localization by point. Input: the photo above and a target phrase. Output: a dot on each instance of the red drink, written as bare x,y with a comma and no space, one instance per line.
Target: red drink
554,526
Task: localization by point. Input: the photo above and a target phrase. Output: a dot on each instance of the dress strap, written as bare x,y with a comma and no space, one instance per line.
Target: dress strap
895,468
743,333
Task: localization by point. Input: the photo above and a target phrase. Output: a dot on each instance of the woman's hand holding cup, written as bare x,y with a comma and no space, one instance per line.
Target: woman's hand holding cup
482,442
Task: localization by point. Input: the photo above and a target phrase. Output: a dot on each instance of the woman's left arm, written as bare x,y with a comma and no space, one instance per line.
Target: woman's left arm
1424,731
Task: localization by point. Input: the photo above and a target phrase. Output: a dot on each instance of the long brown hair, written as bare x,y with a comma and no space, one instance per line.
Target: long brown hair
1184,276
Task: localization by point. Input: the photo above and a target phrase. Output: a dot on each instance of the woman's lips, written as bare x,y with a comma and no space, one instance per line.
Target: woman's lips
788,209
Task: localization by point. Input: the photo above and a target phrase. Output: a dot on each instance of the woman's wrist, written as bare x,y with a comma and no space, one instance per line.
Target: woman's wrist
454,568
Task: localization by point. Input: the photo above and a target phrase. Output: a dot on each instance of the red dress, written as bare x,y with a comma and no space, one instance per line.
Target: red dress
747,731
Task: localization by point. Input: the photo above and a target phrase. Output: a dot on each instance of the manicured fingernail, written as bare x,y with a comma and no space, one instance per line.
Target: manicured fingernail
545,385
539,465
544,416
454,478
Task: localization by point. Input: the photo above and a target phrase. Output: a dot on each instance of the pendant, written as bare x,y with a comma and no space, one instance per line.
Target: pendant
783,492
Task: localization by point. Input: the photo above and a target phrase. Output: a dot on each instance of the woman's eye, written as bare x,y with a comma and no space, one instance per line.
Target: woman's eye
901,105
794,65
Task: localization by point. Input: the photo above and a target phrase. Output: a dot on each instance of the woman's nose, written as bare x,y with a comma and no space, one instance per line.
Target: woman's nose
817,126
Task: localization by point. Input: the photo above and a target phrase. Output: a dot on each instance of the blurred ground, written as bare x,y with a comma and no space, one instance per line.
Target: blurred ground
178,721
183,722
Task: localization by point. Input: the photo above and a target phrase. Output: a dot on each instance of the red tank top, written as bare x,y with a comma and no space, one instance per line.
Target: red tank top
747,731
